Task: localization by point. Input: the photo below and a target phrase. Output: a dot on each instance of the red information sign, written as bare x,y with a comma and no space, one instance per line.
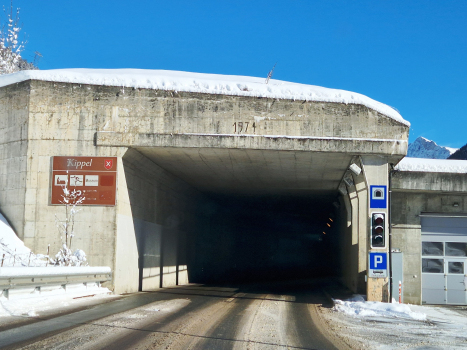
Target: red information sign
94,178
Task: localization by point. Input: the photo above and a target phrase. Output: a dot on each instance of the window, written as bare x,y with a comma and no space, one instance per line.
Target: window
433,265
456,249
432,248
456,267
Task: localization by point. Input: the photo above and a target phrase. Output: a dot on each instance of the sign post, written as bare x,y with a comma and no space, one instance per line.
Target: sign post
94,177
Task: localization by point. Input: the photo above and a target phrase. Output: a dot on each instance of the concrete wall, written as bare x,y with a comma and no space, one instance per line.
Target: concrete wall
412,194
62,123
44,119
149,111
14,124
155,213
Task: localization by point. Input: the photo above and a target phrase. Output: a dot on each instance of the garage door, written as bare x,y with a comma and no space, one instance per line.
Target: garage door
444,259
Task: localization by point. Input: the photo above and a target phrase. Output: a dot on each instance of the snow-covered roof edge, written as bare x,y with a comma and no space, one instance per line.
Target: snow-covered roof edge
425,165
202,83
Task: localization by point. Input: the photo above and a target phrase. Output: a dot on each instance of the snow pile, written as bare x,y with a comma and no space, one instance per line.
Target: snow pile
357,306
202,83
65,257
424,148
432,165
13,252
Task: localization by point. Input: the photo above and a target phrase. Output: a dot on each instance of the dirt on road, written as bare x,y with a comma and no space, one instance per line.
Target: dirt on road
277,316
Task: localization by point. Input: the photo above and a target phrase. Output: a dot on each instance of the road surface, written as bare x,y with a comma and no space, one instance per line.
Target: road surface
263,316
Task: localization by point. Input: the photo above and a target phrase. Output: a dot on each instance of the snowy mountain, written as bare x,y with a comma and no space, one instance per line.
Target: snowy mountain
424,148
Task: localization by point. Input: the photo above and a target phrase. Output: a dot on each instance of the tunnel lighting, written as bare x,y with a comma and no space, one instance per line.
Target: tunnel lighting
328,225
355,169
324,233
348,181
331,220
342,189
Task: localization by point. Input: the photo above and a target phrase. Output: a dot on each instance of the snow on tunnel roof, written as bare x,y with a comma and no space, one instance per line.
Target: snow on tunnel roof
425,165
202,83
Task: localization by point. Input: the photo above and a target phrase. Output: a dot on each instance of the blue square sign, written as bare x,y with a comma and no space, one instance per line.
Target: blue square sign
378,197
378,265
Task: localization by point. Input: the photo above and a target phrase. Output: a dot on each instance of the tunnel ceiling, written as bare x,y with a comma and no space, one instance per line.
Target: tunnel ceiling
253,172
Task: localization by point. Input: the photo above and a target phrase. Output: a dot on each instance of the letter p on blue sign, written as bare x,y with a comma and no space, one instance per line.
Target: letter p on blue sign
378,265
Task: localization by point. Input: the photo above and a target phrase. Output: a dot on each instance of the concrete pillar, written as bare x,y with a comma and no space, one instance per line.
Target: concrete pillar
376,173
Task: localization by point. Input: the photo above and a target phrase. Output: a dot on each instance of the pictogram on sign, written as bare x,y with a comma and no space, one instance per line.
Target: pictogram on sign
108,163
378,196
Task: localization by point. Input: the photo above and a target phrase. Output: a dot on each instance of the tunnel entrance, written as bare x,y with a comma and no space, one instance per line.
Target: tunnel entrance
210,215
264,238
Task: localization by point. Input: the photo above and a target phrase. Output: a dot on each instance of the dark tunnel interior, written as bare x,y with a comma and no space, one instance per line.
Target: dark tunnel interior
264,238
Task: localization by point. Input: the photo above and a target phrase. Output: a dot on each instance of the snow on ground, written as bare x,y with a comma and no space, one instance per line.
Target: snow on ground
359,307
375,325
17,260
35,304
202,83
432,165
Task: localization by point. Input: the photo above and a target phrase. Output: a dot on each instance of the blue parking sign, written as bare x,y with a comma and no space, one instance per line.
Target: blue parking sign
378,265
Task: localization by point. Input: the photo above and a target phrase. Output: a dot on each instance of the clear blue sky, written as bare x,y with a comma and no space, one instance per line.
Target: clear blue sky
411,55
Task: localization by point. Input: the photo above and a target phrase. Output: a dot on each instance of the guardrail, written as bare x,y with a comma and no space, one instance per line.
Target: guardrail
25,280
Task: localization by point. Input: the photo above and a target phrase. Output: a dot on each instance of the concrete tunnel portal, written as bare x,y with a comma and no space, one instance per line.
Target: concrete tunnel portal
257,215
217,178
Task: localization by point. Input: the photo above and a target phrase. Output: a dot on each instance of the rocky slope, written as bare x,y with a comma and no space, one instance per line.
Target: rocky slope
461,153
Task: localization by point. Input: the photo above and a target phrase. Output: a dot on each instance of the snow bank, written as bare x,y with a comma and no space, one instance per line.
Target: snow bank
432,165
358,307
13,252
203,83
8,237
35,303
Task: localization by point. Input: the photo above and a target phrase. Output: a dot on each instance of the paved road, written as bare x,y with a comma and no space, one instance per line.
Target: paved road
267,316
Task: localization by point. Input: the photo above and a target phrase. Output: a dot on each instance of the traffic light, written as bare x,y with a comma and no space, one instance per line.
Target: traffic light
378,230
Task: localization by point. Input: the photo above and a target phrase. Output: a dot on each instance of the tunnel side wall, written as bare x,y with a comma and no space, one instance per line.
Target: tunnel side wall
412,194
156,215
348,245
